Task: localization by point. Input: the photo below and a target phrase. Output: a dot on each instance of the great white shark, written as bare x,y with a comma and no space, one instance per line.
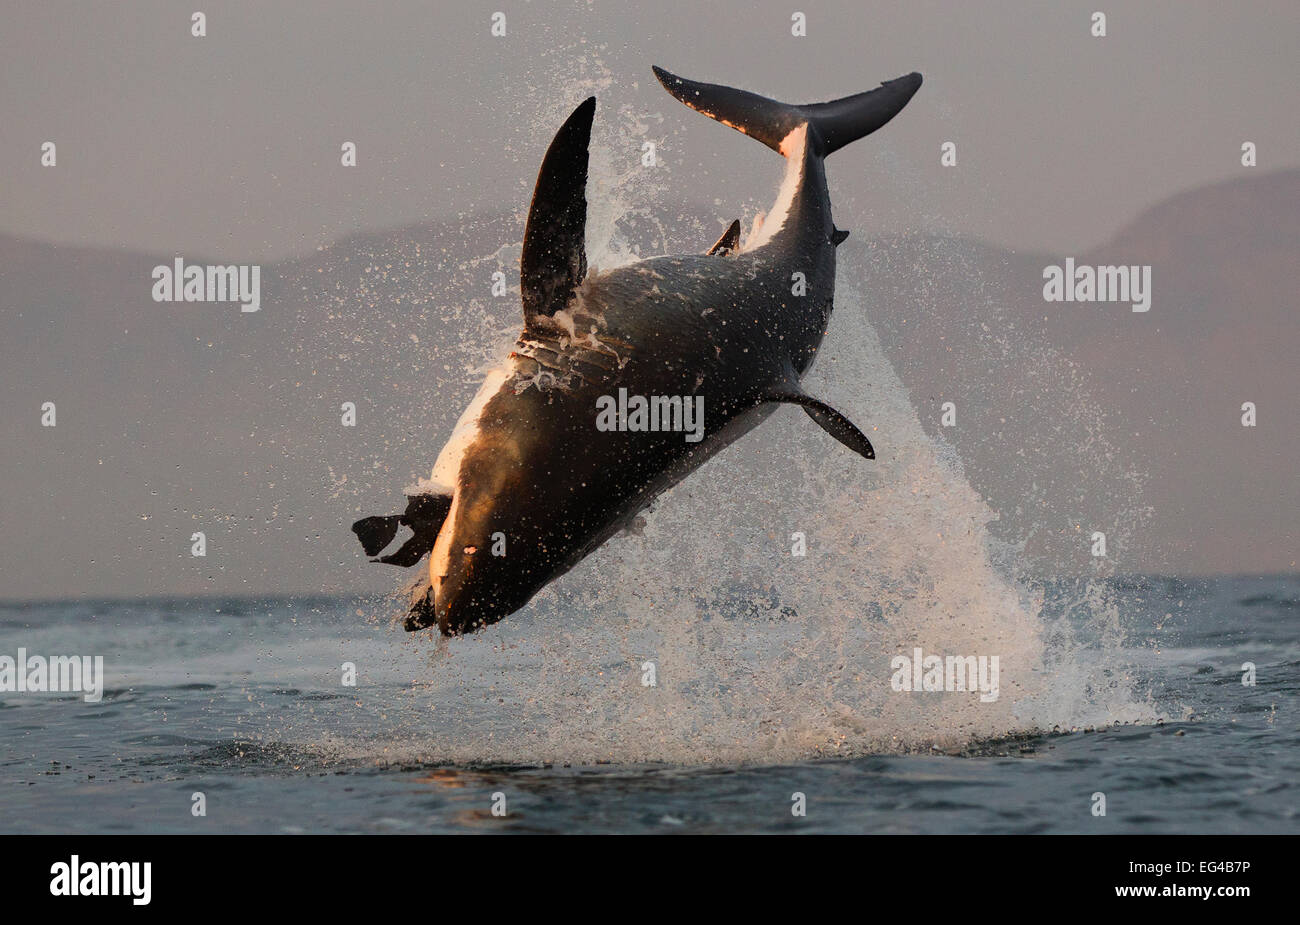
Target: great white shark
531,480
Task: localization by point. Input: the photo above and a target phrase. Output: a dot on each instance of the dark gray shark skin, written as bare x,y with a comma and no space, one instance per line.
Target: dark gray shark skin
528,485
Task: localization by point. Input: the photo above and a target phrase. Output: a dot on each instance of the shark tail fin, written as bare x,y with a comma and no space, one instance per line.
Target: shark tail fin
835,124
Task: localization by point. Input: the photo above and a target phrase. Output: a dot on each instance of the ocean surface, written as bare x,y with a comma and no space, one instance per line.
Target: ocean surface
244,702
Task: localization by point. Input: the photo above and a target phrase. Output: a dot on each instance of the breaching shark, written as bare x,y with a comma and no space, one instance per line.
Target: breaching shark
532,479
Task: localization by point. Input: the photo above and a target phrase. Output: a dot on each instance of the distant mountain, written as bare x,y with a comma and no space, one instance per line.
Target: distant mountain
175,418
959,318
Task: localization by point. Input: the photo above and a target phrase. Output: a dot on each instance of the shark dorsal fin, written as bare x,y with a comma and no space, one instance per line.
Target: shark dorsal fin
554,259
727,243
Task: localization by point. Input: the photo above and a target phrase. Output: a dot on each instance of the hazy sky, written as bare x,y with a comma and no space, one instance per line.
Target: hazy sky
226,148
229,144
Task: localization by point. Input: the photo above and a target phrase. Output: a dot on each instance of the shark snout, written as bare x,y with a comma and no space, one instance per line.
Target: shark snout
469,586
473,595
460,613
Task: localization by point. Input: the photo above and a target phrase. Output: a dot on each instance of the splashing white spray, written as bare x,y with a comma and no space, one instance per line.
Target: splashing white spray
758,654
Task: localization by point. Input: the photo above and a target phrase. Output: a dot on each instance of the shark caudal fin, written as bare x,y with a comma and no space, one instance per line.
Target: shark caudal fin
835,124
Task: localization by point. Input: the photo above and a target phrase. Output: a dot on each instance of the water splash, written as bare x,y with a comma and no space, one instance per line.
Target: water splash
758,654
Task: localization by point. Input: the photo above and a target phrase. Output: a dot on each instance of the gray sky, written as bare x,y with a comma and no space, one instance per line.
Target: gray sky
179,417
229,144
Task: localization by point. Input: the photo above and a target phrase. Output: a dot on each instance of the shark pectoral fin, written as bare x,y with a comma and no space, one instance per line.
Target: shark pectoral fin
409,553
376,532
727,243
554,258
424,515
422,612
841,428
830,420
